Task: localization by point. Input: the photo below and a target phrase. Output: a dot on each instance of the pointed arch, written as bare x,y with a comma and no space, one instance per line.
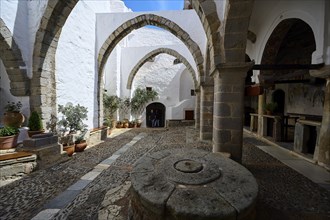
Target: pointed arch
207,13
43,86
11,57
141,21
155,53
227,39
236,26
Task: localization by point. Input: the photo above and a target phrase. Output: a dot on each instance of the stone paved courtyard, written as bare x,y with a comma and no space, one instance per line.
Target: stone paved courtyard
283,193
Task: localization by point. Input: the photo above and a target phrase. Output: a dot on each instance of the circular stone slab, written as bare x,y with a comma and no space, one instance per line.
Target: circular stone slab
188,166
191,184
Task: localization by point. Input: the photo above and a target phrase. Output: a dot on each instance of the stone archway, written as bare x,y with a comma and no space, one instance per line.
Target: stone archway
43,86
207,12
141,21
11,57
291,42
155,53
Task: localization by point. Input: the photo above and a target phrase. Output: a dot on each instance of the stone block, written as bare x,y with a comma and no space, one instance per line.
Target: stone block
17,169
301,134
47,155
39,142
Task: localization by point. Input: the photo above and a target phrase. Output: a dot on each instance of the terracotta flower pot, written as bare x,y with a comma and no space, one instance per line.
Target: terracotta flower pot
13,119
80,147
8,142
69,149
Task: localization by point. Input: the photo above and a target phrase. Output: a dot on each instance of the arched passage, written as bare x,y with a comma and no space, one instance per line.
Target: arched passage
141,21
155,111
291,42
155,53
43,87
11,57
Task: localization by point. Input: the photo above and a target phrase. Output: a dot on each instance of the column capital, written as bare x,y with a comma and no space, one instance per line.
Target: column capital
235,68
324,72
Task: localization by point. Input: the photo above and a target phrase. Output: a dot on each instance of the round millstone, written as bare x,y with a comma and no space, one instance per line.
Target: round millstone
188,166
191,184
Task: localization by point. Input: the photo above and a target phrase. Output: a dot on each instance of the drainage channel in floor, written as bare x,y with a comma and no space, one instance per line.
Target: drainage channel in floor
66,197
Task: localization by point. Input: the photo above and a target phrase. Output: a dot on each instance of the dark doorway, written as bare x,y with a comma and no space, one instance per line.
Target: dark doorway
155,111
189,115
278,97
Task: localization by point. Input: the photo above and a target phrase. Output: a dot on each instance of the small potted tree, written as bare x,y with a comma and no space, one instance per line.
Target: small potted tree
110,105
8,137
125,106
12,116
71,123
35,124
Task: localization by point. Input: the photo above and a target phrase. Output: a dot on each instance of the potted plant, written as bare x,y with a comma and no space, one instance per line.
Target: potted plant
12,116
125,106
270,108
119,124
111,104
8,137
80,142
35,124
72,118
70,123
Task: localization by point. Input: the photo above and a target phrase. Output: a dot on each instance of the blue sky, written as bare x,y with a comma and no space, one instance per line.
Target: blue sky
154,5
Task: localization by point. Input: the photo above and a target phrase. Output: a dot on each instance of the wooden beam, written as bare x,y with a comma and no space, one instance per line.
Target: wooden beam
287,66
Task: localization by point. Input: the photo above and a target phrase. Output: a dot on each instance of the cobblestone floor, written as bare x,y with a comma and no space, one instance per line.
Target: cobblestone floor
283,193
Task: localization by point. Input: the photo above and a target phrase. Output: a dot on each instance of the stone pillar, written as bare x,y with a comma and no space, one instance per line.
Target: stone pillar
206,110
197,109
261,102
229,109
324,140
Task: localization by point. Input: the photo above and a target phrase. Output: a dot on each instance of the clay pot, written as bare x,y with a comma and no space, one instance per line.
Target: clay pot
69,149
8,142
13,119
80,147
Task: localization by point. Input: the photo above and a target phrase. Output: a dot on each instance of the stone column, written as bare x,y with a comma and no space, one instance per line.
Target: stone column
324,138
229,108
197,108
206,110
261,102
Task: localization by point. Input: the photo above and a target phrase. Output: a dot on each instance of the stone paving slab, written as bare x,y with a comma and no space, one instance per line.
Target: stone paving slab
283,193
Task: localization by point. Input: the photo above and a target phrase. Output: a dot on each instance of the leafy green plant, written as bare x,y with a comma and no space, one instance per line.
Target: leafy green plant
35,122
72,118
271,106
140,100
111,104
8,131
125,106
13,106
80,138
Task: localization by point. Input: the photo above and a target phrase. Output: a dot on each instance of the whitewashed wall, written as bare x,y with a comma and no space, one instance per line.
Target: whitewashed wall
76,72
107,23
